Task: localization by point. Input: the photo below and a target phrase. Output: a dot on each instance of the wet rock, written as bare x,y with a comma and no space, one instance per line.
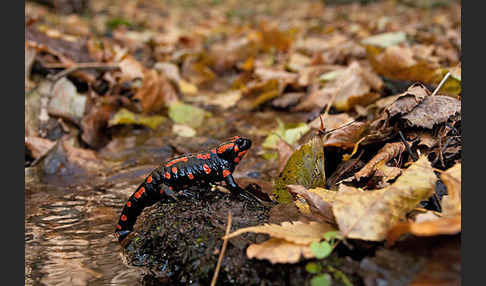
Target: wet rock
179,244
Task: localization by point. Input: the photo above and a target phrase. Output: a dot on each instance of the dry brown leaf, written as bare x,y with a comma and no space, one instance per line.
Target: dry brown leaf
353,86
370,215
93,124
155,92
407,101
346,137
38,146
400,63
131,68
385,154
279,251
319,200
266,74
386,172
451,203
433,110
296,232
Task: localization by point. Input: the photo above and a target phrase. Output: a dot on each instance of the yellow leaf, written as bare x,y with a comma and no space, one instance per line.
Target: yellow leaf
296,232
451,203
187,87
370,215
279,251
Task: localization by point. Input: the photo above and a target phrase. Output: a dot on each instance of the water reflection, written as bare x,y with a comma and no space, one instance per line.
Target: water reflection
68,236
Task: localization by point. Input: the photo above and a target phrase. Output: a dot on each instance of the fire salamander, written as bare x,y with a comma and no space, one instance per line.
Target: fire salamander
202,168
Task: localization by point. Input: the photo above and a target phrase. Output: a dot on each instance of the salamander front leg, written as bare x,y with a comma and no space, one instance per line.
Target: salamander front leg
236,191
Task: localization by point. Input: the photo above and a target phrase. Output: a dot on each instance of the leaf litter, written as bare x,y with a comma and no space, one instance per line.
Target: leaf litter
339,106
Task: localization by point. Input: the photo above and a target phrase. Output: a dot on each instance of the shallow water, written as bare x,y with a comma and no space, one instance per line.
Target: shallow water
68,233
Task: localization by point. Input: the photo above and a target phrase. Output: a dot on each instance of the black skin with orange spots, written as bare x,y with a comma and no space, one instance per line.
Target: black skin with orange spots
214,165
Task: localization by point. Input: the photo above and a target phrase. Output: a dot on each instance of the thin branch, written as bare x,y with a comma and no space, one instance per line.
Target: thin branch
223,249
441,83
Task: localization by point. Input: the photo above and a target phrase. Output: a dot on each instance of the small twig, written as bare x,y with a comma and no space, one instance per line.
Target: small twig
223,249
441,83
80,66
404,141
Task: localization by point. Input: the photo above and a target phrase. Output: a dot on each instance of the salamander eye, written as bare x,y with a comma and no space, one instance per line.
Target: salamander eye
243,143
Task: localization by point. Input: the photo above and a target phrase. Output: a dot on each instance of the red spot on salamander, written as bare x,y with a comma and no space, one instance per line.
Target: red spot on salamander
118,227
129,204
226,173
167,175
213,150
191,176
206,169
242,153
236,148
171,188
149,179
223,148
161,191
233,139
139,193
203,156
237,160
123,217
182,159
174,170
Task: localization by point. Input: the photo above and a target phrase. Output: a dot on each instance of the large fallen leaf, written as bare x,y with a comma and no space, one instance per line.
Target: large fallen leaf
125,116
295,232
305,167
370,215
433,110
279,251
385,154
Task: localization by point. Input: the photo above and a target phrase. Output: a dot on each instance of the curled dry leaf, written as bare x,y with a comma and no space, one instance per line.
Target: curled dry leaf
155,92
370,215
319,199
346,137
388,152
444,225
451,203
93,124
407,101
294,232
279,251
433,110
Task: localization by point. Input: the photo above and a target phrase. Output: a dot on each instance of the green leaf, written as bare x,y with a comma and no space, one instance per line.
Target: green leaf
321,280
321,249
291,133
187,114
305,167
313,267
330,235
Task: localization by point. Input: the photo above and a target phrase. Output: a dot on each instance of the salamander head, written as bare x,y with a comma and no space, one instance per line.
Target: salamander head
235,149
